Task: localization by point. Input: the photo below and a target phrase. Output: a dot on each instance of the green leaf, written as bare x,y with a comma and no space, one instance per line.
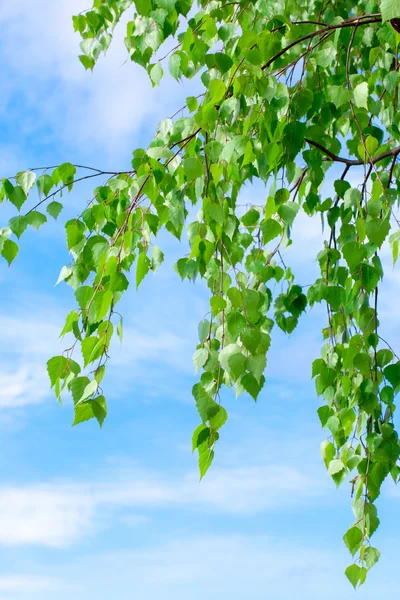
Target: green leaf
217,304
270,229
223,62
200,435
120,329
26,180
54,209
353,539
200,358
89,64
82,412
193,168
72,318
88,345
216,212
142,268
328,452
362,362
175,66
256,364
251,385
335,466
204,329
89,390
77,387
192,103
206,457
9,251
218,417
339,95
157,257
65,173
251,339
44,184
249,156
18,197
18,225
237,365
217,89
360,95
354,574
99,407
64,274
390,9
352,197
377,230
250,218
36,219
59,367
354,253
236,323
156,73
75,233
288,212
371,557
392,374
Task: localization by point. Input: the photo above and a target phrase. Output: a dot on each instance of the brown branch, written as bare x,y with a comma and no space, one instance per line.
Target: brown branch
355,22
356,162
58,190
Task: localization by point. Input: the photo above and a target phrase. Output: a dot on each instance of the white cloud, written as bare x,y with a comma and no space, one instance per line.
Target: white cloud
52,516
58,514
226,566
28,583
30,338
102,110
27,385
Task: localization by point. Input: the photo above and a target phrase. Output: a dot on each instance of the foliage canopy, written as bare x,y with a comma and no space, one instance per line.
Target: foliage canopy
290,89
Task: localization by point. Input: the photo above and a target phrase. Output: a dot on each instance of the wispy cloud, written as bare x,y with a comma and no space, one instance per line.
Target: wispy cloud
40,49
28,583
232,566
57,514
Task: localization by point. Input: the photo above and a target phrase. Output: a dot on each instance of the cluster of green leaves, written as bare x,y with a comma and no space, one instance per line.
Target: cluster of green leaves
290,89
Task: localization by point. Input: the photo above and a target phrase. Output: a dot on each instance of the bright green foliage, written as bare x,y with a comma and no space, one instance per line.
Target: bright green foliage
290,89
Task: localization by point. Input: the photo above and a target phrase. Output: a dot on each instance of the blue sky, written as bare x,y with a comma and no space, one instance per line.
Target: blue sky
89,513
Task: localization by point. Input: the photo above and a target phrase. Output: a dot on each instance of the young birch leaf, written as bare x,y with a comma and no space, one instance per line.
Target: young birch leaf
83,412
142,268
59,367
200,358
64,274
120,329
77,387
89,390
26,180
54,209
353,539
99,407
390,9
156,73
9,251
18,197
36,219
200,435
157,257
353,574
218,418
360,95
44,184
18,225
206,456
